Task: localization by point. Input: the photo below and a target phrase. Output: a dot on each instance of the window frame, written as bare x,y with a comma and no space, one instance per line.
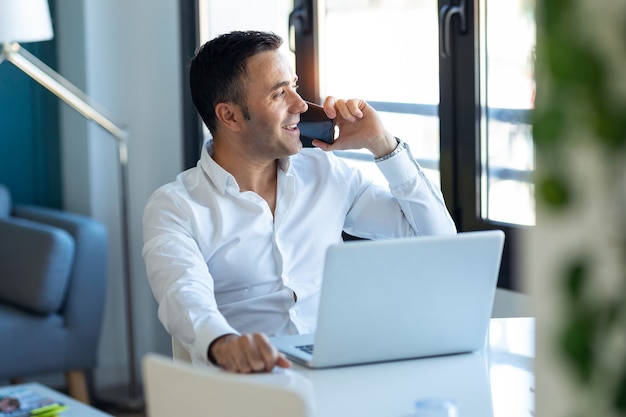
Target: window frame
461,113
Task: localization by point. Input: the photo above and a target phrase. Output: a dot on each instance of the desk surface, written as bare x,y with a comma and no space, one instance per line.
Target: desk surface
76,408
497,381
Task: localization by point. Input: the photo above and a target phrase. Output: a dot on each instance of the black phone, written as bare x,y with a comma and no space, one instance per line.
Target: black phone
314,124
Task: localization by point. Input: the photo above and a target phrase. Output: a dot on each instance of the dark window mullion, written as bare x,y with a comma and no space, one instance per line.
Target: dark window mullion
467,119
192,125
448,133
304,23
460,115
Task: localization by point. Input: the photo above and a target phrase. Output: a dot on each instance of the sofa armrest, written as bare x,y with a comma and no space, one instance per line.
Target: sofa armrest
36,261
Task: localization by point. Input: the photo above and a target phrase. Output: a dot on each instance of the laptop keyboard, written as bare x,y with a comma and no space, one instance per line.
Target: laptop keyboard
306,348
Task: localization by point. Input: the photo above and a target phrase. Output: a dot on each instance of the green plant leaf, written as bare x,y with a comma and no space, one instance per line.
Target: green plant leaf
550,13
576,277
609,123
577,344
548,126
620,394
572,64
554,192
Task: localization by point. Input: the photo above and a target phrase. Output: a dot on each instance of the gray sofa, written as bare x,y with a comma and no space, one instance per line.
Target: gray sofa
53,270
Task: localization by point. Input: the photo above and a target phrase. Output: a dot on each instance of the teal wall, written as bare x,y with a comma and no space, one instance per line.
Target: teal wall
30,162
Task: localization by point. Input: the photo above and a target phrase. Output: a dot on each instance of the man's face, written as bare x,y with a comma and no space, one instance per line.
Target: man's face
274,106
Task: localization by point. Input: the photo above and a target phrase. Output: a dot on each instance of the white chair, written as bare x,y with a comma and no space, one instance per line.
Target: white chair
179,352
176,388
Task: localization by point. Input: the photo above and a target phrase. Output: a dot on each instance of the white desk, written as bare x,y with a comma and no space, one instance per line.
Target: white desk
76,408
495,382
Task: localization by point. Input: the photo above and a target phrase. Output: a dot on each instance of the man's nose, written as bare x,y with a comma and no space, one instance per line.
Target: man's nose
300,105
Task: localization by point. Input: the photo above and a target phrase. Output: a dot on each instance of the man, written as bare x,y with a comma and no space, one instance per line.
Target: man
235,247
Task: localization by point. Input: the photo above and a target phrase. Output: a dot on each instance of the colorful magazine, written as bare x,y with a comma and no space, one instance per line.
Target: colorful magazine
22,402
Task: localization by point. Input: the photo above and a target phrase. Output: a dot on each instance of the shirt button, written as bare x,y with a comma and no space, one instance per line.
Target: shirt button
286,279
293,313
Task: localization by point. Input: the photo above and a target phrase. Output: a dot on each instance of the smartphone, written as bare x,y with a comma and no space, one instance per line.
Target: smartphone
314,124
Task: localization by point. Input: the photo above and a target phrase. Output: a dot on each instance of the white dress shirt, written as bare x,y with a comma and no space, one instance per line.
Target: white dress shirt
219,262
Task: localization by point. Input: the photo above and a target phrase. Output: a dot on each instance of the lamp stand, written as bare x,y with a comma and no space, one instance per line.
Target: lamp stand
131,398
68,93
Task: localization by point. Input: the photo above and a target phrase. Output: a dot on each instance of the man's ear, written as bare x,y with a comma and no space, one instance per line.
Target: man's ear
228,115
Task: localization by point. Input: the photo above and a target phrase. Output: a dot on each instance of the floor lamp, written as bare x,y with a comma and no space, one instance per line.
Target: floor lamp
29,21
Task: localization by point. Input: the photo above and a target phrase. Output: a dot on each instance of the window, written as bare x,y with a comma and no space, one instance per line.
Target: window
396,76
217,16
507,43
453,79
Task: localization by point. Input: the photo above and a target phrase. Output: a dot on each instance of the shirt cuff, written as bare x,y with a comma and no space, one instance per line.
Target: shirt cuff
205,338
400,168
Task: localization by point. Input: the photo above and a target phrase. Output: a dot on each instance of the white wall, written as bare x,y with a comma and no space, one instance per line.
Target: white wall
125,55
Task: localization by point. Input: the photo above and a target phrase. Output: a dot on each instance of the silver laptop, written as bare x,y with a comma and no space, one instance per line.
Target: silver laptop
402,298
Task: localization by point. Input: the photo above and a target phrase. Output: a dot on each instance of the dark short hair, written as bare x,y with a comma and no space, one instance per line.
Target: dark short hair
219,67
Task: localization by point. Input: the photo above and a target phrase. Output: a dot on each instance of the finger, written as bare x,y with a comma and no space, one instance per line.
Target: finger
329,107
350,110
321,144
253,347
282,361
267,351
228,363
240,363
341,107
355,106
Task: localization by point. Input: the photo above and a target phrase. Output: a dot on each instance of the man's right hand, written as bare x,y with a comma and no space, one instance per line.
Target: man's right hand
247,353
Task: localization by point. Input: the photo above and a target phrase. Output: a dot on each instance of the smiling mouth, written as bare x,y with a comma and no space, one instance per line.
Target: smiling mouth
291,128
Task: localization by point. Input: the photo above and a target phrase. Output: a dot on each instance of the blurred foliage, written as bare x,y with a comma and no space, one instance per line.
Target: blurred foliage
576,101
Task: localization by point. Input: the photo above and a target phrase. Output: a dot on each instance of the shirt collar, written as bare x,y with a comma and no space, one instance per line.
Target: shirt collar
221,178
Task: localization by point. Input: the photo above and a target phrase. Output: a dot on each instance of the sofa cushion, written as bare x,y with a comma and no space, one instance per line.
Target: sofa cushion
35,265
35,342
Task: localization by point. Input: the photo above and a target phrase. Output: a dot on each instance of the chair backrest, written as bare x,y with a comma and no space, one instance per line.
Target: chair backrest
175,388
179,352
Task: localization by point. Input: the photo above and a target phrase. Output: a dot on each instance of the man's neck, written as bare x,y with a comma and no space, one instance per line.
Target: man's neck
251,174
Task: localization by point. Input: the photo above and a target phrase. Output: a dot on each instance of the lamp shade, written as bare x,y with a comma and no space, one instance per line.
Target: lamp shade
25,21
